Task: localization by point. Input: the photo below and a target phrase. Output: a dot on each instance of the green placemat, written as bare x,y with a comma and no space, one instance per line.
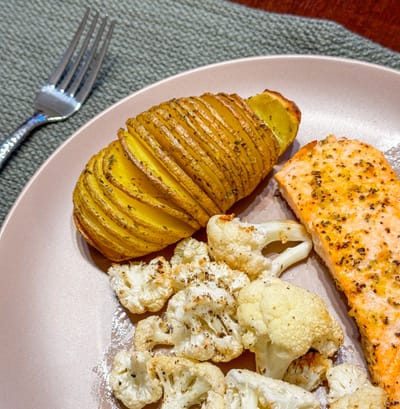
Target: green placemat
153,40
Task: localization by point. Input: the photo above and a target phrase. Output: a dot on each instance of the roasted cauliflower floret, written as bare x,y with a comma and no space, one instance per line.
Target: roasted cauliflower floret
190,250
349,388
281,322
221,274
142,287
187,383
308,371
203,318
132,382
150,332
241,245
200,322
250,390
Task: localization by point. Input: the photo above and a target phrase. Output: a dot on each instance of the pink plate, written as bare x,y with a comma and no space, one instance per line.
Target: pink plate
57,310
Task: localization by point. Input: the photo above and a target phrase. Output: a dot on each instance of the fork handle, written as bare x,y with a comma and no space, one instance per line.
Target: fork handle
11,142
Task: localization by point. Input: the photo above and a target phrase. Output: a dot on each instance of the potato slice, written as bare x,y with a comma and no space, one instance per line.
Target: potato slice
263,137
149,130
105,234
187,153
195,133
123,174
217,130
135,217
282,115
133,246
160,176
237,138
92,231
244,168
198,117
117,233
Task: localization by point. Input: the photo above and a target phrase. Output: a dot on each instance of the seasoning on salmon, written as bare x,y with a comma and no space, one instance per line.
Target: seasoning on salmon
348,198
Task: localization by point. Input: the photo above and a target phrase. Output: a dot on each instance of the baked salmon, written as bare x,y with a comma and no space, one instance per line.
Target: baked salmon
348,198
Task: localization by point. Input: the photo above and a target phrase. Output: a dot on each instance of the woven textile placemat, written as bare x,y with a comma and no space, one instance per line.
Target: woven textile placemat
152,40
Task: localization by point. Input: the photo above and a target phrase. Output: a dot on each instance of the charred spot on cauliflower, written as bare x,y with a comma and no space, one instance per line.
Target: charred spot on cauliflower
184,275
308,371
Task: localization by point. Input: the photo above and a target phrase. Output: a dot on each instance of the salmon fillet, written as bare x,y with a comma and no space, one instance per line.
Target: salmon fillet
348,198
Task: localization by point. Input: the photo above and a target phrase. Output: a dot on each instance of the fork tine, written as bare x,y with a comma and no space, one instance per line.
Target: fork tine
57,73
92,52
89,81
71,70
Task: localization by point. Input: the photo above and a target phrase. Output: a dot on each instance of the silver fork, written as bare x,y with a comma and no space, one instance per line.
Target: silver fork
70,83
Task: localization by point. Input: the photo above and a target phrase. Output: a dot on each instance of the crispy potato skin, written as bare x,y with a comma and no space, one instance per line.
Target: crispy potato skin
348,198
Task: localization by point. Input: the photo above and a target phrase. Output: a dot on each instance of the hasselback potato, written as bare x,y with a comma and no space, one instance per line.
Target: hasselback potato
177,164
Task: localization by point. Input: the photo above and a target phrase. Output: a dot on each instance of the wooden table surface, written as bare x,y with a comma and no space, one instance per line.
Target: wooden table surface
378,20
